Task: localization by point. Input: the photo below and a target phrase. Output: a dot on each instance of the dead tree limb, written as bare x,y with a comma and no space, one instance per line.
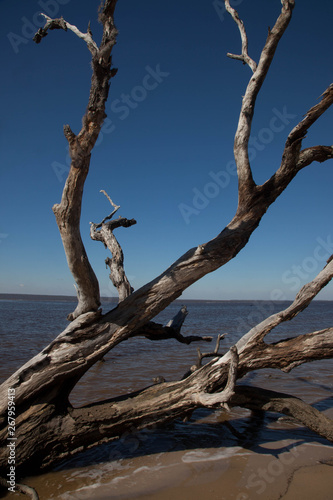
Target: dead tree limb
219,399
241,145
156,331
115,210
95,340
68,212
255,398
213,354
104,232
244,55
304,297
52,24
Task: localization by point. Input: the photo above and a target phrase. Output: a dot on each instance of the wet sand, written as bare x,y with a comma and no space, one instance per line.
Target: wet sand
282,470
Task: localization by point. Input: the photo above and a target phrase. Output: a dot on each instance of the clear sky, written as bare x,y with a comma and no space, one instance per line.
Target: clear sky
166,153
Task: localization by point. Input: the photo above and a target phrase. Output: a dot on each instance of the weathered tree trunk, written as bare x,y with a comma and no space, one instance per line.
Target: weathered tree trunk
48,428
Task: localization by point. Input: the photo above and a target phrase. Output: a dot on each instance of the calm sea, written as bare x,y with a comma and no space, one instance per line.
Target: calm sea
126,466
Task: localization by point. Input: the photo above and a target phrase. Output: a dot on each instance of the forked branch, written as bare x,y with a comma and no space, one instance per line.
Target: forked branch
246,184
244,55
215,353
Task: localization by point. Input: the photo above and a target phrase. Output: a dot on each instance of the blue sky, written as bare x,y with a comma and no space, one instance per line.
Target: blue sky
166,153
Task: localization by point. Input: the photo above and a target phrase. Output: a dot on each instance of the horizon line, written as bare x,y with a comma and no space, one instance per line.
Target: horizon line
73,298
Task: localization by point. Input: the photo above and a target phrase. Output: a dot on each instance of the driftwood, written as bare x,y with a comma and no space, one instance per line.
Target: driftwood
47,428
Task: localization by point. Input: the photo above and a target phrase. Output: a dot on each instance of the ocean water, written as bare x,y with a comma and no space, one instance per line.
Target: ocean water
211,443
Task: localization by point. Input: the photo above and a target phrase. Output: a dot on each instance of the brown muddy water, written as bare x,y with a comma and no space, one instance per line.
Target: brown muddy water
216,455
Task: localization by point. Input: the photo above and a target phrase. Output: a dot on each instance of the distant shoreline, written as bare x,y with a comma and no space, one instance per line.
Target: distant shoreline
73,298
46,298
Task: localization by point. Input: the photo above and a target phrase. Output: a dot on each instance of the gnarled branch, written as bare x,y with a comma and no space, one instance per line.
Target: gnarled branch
52,24
68,211
221,398
293,158
166,401
156,331
289,353
315,153
106,236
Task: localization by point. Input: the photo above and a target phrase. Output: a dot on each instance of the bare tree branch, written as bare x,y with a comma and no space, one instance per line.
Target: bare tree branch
156,331
246,184
293,159
299,132
287,354
163,402
116,263
244,56
52,24
116,208
315,153
178,320
302,300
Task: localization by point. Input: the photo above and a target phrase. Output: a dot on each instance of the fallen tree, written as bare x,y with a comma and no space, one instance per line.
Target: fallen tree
48,428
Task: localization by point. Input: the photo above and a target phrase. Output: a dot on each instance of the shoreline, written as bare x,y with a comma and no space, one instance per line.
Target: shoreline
280,470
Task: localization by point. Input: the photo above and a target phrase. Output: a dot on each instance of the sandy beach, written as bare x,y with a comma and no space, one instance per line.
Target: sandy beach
281,470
